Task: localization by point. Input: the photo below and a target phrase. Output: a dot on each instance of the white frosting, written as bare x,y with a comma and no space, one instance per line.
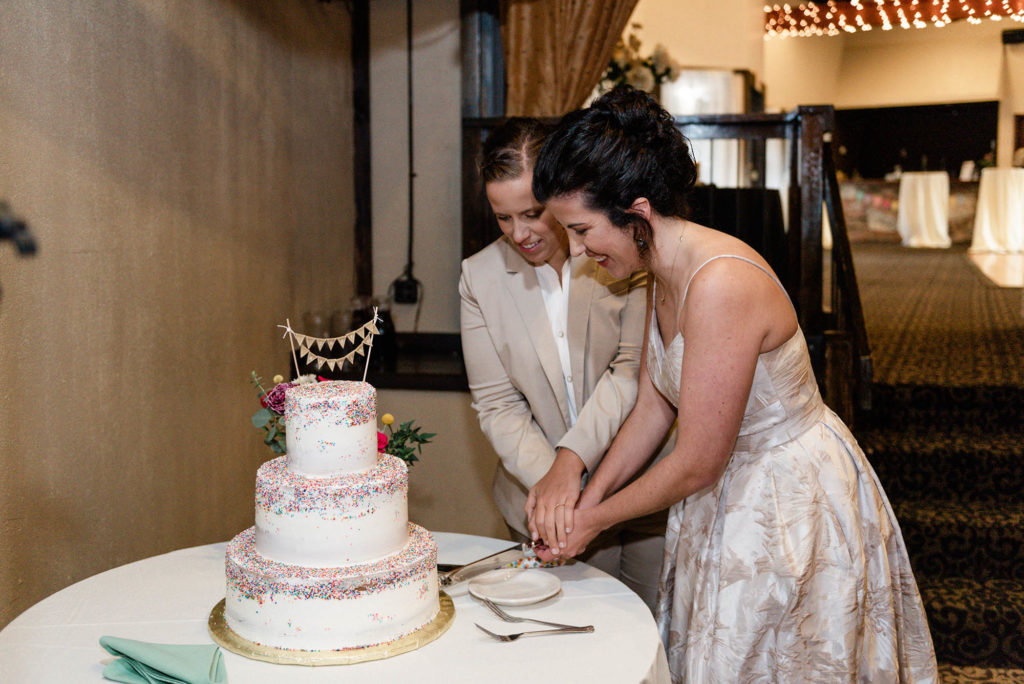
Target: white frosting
321,625
331,428
284,606
331,521
332,562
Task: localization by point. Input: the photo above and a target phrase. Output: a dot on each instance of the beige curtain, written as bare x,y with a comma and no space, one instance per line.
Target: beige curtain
556,51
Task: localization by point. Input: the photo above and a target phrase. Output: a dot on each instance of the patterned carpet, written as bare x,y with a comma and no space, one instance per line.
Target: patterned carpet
935,319
946,436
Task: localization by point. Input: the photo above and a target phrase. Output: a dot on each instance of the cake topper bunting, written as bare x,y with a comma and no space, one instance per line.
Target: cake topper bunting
306,344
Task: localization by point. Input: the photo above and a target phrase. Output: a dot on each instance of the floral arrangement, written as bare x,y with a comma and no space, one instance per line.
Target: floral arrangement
270,416
405,442
628,67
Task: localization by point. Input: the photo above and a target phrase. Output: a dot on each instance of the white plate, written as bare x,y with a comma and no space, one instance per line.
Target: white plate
515,586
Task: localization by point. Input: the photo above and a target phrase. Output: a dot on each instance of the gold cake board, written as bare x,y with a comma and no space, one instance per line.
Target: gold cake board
227,639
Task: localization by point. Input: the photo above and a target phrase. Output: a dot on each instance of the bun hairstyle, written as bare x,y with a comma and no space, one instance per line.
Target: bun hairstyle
622,147
511,149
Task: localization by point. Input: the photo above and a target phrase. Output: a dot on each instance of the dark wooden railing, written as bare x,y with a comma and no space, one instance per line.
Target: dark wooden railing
834,327
847,340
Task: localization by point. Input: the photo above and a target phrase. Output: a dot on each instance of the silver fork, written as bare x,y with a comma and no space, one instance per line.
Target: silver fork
497,610
539,632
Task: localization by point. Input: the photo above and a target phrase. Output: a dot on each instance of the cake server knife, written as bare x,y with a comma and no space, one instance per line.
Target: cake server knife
478,567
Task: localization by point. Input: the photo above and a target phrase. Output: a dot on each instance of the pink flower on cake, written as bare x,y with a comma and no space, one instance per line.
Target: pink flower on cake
274,399
382,441
270,417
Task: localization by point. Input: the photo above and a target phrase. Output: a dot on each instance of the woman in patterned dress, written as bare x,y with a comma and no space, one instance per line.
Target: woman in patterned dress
783,559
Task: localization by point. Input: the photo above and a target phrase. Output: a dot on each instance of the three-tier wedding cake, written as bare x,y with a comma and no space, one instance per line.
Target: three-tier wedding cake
332,562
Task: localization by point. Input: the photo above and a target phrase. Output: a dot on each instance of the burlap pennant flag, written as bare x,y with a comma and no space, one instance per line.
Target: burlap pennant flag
361,336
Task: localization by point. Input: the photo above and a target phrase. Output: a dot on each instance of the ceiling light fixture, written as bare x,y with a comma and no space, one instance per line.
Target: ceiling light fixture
834,17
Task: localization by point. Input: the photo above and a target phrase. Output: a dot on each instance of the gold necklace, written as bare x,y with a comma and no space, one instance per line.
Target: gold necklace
675,257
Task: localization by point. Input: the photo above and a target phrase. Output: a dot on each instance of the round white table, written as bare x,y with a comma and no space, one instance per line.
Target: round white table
999,218
922,217
168,598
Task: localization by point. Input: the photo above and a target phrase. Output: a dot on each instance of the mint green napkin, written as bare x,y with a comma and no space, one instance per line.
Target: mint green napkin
145,663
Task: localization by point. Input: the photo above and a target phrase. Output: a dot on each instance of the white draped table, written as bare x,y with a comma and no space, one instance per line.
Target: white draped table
922,217
167,599
999,219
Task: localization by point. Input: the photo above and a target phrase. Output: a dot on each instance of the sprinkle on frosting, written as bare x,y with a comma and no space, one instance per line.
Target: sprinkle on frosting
284,492
535,563
257,578
340,402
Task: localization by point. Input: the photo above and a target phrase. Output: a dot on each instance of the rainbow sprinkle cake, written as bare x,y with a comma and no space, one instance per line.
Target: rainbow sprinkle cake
333,562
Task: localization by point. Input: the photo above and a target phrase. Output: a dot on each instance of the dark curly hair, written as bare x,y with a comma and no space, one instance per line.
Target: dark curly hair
621,147
511,149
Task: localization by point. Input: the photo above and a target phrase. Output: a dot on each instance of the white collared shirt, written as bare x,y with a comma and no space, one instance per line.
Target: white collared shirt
556,301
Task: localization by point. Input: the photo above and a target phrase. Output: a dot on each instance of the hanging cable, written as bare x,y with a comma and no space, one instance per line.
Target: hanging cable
406,289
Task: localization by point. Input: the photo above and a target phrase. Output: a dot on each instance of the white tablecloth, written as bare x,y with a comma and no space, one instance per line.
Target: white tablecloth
922,218
999,218
168,599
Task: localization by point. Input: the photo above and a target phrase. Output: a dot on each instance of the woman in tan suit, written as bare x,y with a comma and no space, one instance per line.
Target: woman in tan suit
552,347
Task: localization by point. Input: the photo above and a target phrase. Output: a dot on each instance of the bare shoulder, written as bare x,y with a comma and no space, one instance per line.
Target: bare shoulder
715,242
722,280
739,294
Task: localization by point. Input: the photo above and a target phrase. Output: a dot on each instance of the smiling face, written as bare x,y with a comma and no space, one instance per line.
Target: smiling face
592,233
525,222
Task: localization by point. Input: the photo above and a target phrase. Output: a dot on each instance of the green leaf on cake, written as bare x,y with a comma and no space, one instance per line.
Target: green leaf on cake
262,417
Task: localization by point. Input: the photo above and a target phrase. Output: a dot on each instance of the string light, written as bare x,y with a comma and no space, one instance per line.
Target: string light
834,17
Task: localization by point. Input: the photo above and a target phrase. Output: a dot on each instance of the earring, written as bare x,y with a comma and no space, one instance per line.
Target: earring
640,243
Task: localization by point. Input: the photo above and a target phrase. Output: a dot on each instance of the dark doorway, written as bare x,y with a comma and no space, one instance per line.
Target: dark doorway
870,143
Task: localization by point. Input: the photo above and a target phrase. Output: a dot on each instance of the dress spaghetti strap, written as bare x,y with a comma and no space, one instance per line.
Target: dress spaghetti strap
768,273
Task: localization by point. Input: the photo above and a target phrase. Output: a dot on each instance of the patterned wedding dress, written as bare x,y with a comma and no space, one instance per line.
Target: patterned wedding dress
791,568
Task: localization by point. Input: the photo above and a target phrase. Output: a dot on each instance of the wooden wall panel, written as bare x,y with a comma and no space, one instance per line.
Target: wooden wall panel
186,169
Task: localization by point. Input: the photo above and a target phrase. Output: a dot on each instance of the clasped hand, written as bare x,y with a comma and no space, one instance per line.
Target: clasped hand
552,512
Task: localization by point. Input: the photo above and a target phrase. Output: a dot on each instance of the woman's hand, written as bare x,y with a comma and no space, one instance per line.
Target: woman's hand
592,495
587,526
551,502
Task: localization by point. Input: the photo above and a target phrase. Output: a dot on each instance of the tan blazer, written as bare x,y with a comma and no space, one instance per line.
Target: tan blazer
515,376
